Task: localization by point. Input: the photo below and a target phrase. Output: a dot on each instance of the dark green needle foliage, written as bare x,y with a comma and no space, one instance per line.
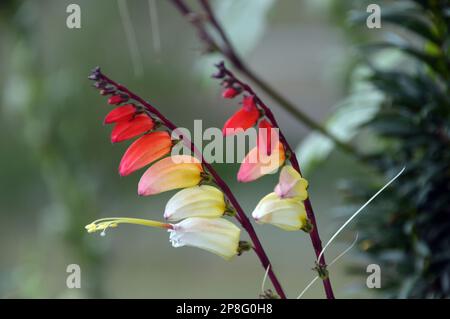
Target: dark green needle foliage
407,230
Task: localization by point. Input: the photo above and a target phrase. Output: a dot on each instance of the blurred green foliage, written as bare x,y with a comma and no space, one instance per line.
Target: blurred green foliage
407,230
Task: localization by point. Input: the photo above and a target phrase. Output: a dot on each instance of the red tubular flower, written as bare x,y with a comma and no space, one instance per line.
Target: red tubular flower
144,151
245,118
127,129
116,99
229,93
121,113
267,137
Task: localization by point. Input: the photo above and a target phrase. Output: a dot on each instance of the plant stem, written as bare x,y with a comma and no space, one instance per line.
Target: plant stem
228,51
314,235
241,216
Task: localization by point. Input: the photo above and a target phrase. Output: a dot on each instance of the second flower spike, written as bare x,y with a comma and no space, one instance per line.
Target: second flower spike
197,201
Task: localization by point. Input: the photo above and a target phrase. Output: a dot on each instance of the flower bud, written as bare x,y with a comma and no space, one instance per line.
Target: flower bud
117,99
121,113
230,93
124,130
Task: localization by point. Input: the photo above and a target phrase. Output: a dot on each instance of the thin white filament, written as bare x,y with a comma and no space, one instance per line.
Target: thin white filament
357,212
307,287
345,251
334,260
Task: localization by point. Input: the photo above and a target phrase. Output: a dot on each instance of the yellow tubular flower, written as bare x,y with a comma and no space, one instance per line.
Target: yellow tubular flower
286,213
291,184
197,201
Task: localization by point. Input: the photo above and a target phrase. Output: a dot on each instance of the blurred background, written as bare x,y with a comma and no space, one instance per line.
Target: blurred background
58,170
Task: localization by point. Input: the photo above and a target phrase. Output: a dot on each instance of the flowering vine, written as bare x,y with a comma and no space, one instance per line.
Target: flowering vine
199,208
289,206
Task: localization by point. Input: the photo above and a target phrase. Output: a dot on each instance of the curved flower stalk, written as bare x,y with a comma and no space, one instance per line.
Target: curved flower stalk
286,207
199,209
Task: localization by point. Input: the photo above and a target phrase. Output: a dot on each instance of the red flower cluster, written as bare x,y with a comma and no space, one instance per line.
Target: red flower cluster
129,122
134,121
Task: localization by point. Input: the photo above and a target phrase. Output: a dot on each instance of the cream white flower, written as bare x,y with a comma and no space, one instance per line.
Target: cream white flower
291,184
197,201
216,235
286,213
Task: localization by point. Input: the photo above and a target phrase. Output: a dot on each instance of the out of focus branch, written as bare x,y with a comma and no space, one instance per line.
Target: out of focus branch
200,21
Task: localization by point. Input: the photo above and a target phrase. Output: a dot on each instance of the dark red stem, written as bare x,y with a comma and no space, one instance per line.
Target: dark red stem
241,216
314,235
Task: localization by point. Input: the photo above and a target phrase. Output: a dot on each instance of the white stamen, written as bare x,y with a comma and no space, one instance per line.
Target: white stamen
357,212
